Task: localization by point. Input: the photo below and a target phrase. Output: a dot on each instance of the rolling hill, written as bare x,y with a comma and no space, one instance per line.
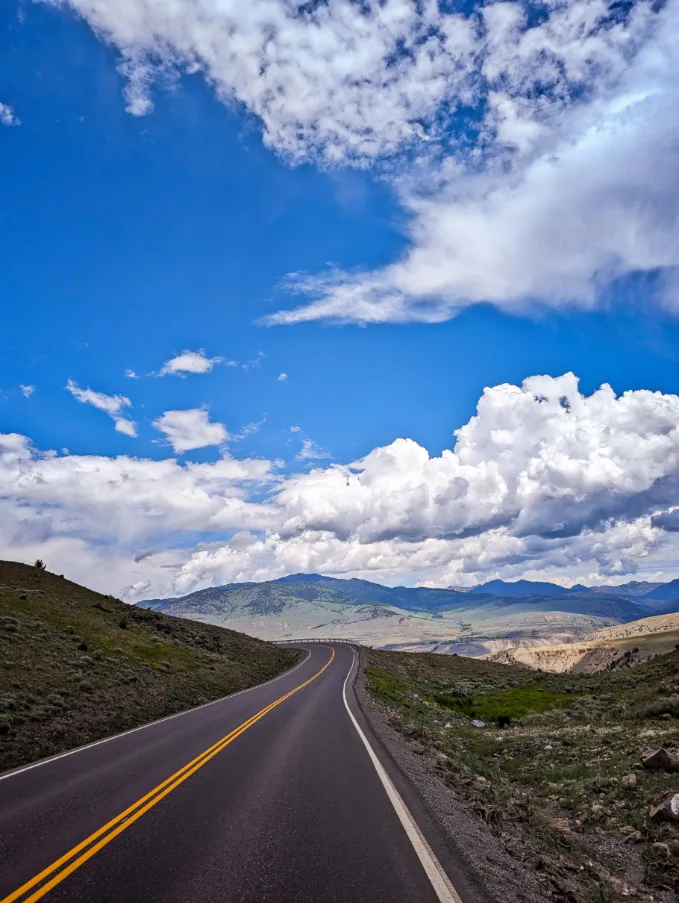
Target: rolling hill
486,619
76,665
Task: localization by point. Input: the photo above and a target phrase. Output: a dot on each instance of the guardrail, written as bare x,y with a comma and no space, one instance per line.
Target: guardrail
316,640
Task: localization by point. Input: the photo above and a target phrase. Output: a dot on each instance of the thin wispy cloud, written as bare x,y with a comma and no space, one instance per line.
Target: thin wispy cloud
249,429
311,451
255,362
534,157
113,405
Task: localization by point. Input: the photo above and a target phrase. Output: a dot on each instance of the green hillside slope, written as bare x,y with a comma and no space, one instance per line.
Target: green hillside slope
76,666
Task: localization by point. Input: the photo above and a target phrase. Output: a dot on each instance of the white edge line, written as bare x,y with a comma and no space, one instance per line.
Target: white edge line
445,891
133,730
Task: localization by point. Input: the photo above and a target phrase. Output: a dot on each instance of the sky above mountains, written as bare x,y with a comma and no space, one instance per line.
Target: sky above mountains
373,289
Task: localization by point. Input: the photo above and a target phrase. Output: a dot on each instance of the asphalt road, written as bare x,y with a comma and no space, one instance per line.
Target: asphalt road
283,801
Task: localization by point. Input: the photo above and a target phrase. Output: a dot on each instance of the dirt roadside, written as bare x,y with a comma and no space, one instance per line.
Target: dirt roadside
497,874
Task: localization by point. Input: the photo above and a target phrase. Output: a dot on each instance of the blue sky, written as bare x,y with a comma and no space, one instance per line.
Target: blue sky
128,239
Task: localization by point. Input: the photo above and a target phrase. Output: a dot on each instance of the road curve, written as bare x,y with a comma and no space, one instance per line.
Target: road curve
272,795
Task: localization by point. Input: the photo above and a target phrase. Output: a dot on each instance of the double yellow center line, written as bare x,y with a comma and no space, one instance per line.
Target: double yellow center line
68,863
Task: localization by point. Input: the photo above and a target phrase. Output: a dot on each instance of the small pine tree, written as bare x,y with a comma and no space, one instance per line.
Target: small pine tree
40,564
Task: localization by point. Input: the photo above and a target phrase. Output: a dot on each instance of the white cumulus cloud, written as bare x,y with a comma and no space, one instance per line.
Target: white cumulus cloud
542,481
27,391
190,362
191,428
113,405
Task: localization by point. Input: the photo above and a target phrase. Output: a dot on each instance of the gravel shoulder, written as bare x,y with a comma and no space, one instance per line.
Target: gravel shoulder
491,872
536,780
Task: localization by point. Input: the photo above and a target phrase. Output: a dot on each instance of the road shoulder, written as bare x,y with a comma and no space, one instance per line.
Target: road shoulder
479,866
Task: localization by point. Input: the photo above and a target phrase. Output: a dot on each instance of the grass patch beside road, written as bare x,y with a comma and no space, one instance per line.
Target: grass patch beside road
554,782
76,666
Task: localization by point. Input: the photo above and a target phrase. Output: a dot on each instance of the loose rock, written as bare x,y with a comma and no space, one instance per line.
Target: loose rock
660,760
631,834
629,780
667,809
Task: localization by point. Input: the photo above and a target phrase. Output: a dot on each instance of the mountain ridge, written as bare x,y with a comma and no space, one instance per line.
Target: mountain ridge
307,605
364,589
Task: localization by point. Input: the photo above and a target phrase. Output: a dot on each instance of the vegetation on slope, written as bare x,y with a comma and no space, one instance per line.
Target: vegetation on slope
554,770
76,666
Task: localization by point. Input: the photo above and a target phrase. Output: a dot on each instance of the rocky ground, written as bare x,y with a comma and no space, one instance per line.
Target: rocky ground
632,643
548,766
76,666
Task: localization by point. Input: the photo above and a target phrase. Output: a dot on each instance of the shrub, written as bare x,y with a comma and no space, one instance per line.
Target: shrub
666,705
122,623
40,564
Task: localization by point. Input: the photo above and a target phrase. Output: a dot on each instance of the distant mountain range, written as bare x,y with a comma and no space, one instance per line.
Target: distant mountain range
471,620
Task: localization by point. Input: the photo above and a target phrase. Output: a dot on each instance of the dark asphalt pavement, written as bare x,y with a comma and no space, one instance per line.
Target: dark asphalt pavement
292,810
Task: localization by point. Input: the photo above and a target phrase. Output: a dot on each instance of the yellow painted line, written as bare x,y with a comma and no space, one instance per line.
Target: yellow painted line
126,818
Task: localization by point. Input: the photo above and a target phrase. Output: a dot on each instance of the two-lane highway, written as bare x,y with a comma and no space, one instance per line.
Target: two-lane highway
274,794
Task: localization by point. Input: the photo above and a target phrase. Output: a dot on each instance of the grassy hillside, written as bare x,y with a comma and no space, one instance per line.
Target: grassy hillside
552,783
76,666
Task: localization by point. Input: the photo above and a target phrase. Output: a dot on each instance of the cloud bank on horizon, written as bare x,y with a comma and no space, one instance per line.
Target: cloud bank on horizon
542,480
532,148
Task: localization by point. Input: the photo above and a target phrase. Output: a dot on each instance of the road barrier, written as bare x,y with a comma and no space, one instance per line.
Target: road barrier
328,639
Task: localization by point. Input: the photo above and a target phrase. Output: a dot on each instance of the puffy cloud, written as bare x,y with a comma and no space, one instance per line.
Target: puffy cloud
190,429
539,460
542,481
123,499
27,391
113,405
282,377
8,116
539,149
190,362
